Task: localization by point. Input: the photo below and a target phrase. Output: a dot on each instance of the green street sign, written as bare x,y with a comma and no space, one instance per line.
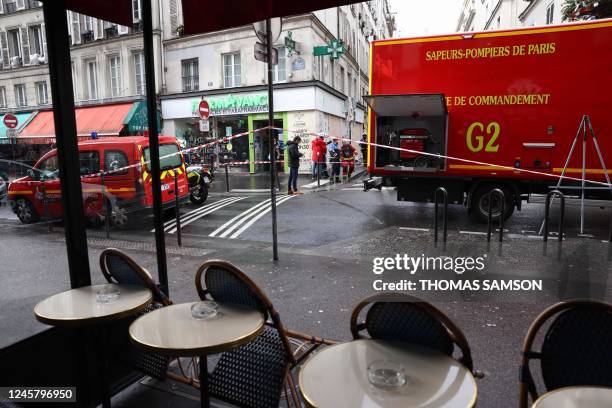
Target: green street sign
290,43
335,49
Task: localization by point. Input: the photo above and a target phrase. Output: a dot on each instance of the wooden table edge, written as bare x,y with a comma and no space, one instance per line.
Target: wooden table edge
536,402
199,351
73,322
311,404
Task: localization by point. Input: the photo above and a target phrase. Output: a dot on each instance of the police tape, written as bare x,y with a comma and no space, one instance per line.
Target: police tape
459,159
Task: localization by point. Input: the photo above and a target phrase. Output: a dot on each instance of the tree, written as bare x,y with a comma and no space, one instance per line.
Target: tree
580,10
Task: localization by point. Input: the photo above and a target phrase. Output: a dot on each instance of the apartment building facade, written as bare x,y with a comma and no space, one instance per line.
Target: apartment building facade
313,94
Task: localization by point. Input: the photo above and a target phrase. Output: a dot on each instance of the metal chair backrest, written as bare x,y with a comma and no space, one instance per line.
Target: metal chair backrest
404,318
226,283
576,348
118,267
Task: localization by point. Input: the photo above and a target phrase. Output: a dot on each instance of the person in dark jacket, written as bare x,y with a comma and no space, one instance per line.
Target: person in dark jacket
334,160
294,164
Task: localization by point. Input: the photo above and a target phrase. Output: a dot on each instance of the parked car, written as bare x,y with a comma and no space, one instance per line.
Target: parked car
3,188
125,186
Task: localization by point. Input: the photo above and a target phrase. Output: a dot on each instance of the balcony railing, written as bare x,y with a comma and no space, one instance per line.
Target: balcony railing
10,7
191,83
87,36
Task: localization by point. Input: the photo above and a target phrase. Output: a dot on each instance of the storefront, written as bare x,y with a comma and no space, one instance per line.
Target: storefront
299,110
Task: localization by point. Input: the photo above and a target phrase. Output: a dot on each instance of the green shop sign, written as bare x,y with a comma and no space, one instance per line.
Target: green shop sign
233,104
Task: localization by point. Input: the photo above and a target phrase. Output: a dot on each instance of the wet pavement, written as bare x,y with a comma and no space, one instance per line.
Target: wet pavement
330,241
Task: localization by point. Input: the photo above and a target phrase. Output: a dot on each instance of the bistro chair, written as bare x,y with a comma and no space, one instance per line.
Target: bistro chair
118,267
255,374
576,348
404,318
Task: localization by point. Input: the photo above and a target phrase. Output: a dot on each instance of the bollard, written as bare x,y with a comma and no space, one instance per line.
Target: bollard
444,229
501,214
227,185
45,205
549,197
108,209
176,210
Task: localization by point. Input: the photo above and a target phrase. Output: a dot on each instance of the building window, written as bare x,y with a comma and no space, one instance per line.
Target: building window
137,11
73,71
550,11
114,62
2,97
231,70
92,79
10,6
341,80
139,73
36,41
20,95
190,75
42,97
14,43
280,69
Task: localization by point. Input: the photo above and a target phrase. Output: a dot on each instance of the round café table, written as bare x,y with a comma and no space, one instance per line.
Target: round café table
172,331
79,307
576,397
336,377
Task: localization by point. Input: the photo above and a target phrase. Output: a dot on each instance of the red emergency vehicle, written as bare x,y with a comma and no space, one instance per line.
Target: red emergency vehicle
126,186
512,98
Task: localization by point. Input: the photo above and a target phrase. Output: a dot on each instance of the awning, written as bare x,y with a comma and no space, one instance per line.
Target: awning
136,121
407,105
22,120
204,16
105,120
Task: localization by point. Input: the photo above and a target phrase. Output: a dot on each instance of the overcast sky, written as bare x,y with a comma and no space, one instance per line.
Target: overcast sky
425,17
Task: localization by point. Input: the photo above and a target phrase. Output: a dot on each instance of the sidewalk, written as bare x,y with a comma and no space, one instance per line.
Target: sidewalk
260,182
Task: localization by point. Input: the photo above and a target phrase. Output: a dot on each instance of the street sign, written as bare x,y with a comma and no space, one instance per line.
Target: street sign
334,49
11,133
290,44
204,125
276,26
10,121
204,109
261,53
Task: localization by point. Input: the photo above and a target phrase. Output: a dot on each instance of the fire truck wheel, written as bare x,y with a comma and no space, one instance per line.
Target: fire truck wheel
480,203
25,211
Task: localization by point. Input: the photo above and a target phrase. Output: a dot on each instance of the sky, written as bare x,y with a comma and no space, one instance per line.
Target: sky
425,17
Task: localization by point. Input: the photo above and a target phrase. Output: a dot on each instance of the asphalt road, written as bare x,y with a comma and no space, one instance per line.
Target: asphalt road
329,241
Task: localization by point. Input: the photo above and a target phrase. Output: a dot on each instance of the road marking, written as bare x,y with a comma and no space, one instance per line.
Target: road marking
473,232
314,184
209,211
258,216
251,190
353,189
414,229
239,219
196,211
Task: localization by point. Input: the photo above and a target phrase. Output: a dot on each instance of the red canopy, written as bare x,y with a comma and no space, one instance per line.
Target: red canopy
205,16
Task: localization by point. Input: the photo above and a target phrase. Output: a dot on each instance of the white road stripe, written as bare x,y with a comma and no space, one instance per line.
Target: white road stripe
258,216
195,211
473,232
197,217
251,190
314,184
239,219
414,229
353,189
217,204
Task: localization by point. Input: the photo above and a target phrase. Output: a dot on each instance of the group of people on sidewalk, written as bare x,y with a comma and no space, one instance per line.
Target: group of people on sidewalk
340,157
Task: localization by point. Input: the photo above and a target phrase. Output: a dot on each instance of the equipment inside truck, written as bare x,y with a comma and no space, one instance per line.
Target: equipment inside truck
416,124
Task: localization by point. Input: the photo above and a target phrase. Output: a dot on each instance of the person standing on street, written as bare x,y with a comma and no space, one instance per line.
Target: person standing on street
334,160
364,149
294,164
319,149
347,155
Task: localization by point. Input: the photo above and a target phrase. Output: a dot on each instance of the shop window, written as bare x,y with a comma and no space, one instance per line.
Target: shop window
89,163
231,70
114,63
42,97
21,98
280,69
190,75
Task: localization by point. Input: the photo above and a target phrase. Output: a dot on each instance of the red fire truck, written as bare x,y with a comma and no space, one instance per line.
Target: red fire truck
472,112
